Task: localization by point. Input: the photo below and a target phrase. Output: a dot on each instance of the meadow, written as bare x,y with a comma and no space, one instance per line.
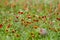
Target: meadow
29,19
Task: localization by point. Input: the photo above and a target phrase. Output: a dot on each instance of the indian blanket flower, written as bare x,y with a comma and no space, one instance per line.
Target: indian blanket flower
53,29
6,2
22,19
28,16
58,19
17,35
15,20
6,30
59,6
13,31
13,5
17,17
9,25
20,12
1,25
26,7
35,27
32,34
35,20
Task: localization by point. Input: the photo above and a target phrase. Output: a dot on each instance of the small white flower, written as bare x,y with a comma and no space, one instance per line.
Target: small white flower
43,31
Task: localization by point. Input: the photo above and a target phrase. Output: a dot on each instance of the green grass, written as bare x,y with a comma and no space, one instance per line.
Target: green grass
32,9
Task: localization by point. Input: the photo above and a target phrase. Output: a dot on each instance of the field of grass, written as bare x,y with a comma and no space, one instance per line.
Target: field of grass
24,19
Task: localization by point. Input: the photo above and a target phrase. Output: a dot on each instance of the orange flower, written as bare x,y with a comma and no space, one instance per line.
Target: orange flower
43,16
32,34
17,35
59,6
16,20
17,17
9,25
35,27
20,12
22,19
26,7
39,17
13,5
58,19
13,31
6,30
24,23
51,23
29,22
1,25
35,20
33,15
28,16
53,29
6,2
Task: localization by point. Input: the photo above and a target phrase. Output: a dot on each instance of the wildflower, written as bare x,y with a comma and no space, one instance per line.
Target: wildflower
35,27
53,29
59,6
6,2
43,31
32,34
9,25
16,20
6,30
13,4
51,23
58,19
13,31
57,13
17,35
50,10
39,17
43,16
26,7
33,15
22,19
17,17
1,25
35,20
20,12
29,22
28,16
23,22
